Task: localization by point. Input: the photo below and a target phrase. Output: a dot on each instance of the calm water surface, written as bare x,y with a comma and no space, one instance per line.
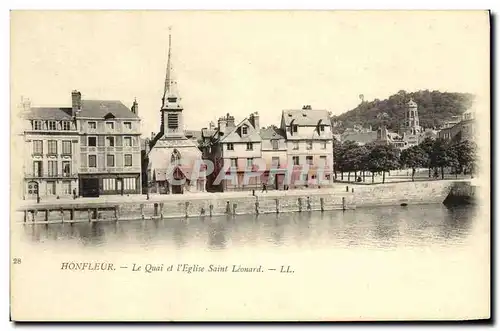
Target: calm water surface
384,227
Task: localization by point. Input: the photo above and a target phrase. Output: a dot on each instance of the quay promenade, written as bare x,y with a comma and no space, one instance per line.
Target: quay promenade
342,196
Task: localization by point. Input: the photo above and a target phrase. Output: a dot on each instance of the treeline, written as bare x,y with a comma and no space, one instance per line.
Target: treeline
434,108
460,156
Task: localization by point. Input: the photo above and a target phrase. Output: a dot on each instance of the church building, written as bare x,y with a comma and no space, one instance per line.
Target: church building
174,162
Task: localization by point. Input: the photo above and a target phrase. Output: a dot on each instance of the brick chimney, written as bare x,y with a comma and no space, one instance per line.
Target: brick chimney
222,122
135,107
230,121
254,119
76,101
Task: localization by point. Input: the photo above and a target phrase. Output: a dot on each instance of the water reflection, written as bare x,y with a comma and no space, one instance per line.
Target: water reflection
384,227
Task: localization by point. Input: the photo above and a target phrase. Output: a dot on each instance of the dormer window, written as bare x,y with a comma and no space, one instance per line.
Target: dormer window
321,128
37,125
66,126
244,130
295,128
52,125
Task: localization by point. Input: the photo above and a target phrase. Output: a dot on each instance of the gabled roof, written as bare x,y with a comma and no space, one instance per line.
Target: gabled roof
48,113
103,108
272,133
306,117
233,134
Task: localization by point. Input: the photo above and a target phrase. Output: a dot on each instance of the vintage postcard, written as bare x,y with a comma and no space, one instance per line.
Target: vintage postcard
250,165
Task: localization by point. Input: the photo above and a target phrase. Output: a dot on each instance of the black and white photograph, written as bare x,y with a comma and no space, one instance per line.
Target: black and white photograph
280,165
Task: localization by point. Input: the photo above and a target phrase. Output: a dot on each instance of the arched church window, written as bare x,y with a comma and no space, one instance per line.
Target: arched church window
176,157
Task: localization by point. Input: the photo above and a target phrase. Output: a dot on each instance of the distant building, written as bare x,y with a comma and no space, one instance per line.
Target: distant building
463,130
174,160
110,150
51,151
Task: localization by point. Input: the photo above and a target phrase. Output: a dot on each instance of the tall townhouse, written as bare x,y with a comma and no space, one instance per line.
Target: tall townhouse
51,147
309,146
274,154
236,149
110,146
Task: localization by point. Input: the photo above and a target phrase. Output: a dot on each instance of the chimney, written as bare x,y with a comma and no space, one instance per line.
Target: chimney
222,122
211,125
135,107
76,101
254,119
153,135
26,104
230,121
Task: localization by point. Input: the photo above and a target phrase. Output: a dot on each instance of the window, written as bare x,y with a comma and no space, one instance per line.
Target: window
322,161
295,128
233,162
92,141
92,125
52,144
129,184
230,147
127,141
172,121
110,160
128,160
51,188
110,125
321,128
92,161
66,147
66,168
52,125
127,125
295,160
66,126
274,143
66,187
52,168
295,145
37,169
37,125
309,145
244,130
37,147
323,145
249,147
109,184
110,141
309,159
249,162
275,161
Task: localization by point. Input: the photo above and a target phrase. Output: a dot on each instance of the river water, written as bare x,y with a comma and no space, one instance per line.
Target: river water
359,264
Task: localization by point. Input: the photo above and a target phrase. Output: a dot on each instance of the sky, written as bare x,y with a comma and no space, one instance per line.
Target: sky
240,62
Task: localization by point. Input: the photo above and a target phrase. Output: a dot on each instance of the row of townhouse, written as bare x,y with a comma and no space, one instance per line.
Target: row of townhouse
88,149
298,153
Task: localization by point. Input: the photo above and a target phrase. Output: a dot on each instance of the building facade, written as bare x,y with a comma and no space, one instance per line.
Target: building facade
235,150
309,146
51,150
274,156
110,151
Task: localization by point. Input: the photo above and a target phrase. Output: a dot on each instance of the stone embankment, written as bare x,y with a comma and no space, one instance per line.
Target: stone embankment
342,197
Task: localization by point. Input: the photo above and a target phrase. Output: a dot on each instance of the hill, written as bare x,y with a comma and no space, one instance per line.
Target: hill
434,108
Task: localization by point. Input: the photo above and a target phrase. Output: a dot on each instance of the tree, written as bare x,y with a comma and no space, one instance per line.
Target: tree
354,158
463,154
426,145
441,155
414,157
382,158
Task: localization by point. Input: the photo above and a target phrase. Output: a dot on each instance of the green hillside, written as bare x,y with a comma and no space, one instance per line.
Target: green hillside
434,108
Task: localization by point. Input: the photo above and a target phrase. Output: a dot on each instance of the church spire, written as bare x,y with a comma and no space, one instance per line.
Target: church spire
168,79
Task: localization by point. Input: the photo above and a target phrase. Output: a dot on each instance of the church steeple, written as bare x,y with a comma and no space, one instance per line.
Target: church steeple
169,96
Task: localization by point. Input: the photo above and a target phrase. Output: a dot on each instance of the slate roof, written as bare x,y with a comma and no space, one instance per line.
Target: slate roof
194,134
272,133
48,113
100,108
306,117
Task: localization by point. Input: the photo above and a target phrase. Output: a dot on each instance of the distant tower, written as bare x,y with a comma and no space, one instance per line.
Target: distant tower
412,125
172,122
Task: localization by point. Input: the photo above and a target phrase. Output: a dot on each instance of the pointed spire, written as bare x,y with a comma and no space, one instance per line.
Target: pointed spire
168,81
